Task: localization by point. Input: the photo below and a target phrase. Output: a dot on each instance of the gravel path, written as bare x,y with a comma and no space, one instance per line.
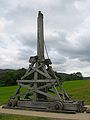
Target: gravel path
61,116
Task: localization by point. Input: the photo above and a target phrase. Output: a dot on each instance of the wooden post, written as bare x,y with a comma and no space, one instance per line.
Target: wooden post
40,36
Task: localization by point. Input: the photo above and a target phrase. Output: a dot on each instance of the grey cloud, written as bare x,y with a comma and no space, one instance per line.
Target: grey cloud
62,17
28,40
67,49
24,54
27,46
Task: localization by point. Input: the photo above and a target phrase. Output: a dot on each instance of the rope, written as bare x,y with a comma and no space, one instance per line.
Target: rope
46,50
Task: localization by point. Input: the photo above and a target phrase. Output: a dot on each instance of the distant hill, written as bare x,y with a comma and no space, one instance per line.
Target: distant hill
86,78
72,76
6,70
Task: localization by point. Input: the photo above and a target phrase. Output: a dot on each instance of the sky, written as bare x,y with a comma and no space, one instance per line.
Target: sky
66,33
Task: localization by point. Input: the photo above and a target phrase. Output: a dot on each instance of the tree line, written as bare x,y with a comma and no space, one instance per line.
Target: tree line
9,77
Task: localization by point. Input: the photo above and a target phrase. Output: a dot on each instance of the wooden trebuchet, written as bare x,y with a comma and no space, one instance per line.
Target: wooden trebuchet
43,90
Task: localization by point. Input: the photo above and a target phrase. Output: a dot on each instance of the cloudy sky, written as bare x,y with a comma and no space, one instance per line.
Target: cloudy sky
67,33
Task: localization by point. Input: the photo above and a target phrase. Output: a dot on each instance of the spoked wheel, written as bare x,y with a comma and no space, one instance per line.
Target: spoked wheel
58,106
12,103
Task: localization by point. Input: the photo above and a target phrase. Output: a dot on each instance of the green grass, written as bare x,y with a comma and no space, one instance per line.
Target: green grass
5,93
79,89
19,117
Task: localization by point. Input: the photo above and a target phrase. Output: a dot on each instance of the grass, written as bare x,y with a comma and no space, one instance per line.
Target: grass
79,90
5,93
19,117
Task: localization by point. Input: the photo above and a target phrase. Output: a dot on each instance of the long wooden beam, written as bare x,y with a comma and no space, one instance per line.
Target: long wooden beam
36,81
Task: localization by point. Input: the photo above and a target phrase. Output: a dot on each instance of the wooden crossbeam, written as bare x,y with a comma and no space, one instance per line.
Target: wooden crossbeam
47,95
41,72
23,85
36,81
27,74
44,86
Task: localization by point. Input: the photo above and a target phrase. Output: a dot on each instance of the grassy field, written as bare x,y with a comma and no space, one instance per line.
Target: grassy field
79,89
5,93
19,117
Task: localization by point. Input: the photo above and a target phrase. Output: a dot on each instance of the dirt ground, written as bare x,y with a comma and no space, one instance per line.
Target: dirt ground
61,116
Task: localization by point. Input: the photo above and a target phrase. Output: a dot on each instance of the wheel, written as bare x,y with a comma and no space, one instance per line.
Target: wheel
12,103
9,104
58,106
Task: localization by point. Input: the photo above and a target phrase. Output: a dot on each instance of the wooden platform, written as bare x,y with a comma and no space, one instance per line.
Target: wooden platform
61,116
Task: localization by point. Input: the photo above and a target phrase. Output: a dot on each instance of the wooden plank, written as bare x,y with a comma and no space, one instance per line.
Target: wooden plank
36,81
44,86
27,74
25,86
46,94
42,73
